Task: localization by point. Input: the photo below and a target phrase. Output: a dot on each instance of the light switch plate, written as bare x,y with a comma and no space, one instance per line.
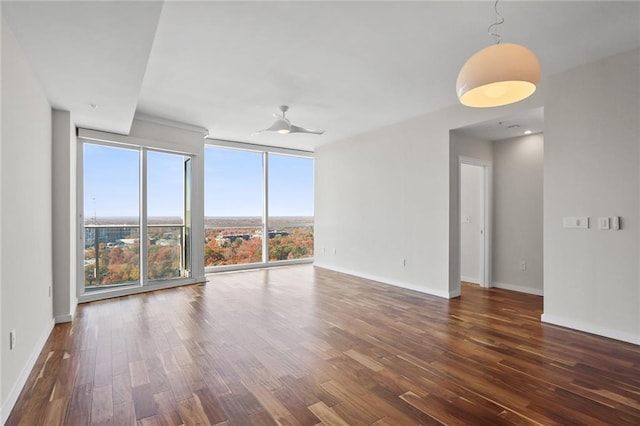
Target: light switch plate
615,223
575,222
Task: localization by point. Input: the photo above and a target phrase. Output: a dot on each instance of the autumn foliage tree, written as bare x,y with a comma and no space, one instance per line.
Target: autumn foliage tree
121,263
219,251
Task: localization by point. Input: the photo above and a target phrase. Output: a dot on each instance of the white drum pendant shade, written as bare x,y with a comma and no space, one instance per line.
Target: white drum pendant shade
500,74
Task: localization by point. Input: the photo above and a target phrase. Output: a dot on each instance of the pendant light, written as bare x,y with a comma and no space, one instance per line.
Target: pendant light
498,75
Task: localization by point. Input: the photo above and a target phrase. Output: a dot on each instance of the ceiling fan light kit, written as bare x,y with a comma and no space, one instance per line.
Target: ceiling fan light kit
498,75
283,126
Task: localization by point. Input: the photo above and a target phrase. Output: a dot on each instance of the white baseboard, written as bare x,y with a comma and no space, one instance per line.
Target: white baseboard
470,279
591,328
127,291
59,319
395,283
63,318
521,289
14,393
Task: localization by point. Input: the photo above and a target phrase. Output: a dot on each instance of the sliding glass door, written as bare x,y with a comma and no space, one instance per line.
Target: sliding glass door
134,194
167,214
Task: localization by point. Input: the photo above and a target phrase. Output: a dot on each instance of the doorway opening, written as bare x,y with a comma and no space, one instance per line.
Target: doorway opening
504,158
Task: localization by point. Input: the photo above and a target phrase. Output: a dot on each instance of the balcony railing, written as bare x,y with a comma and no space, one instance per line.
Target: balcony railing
112,254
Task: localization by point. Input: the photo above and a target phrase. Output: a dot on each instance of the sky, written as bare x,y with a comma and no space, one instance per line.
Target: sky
233,183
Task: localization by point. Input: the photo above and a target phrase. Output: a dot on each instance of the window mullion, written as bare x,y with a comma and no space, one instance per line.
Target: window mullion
143,217
265,207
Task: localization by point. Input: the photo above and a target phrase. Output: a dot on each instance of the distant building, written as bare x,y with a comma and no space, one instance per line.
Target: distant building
112,234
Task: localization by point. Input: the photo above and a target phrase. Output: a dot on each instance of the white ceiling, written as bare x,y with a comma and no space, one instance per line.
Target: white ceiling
88,53
507,127
346,67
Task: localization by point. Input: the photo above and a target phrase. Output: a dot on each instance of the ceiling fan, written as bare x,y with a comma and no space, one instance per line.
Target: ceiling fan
283,126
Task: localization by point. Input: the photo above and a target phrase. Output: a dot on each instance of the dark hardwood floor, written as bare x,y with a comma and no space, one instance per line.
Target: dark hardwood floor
303,345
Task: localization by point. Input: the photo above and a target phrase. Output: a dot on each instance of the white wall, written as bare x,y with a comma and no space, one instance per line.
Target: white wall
26,218
517,213
65,237
383,196
471,229
380,199
592,168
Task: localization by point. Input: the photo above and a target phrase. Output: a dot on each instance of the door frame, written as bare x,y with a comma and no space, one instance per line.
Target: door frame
486,278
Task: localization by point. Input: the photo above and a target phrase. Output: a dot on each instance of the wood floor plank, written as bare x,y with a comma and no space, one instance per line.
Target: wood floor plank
138,373
102,406
327,415
295,406
121,388
79,412
143,401
272,405
167,409
304,345
55,412
364,360
124,414
211,406
261,418
233,409
192,413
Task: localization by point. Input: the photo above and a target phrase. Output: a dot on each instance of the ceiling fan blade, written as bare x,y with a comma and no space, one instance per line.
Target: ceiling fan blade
281,124
298,129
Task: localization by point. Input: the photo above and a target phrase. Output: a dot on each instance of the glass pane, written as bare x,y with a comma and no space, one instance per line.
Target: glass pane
290,207
165,216
112,220
232,246
233,207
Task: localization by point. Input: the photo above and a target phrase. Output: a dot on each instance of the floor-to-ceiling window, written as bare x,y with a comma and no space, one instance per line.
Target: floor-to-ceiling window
233,207
132,194
290,207
258,207
111,216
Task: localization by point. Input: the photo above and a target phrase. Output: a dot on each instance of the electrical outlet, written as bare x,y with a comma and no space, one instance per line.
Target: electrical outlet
334,251
12,339
523,265
404,262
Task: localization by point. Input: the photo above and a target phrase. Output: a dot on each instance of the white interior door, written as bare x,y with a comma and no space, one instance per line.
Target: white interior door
472,226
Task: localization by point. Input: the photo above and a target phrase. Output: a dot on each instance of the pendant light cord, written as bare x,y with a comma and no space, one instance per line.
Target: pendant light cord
493,28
